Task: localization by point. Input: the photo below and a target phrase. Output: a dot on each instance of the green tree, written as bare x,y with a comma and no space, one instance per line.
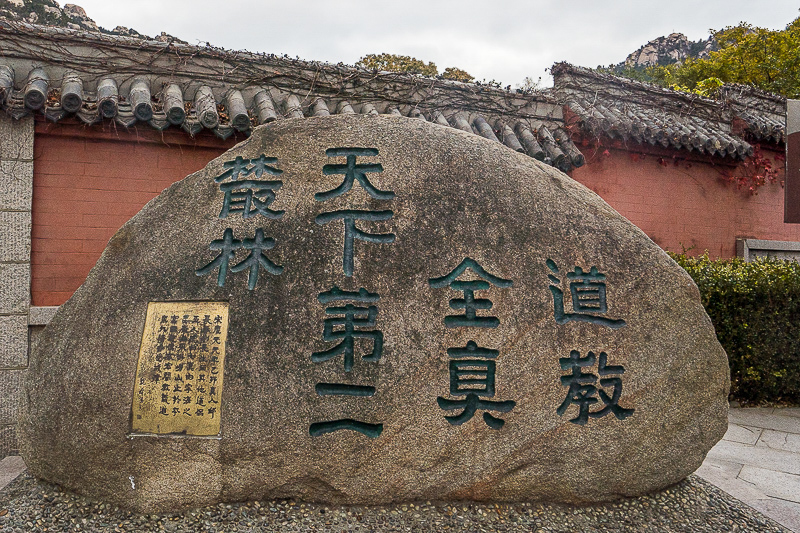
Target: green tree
397,63
411,65
767,59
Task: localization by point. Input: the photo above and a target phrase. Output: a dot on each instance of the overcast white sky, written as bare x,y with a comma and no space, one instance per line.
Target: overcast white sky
501,40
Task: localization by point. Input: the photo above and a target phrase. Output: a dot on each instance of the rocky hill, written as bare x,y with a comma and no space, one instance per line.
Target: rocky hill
673,48
71,16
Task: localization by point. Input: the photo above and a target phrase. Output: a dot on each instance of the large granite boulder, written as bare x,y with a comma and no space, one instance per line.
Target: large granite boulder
400,311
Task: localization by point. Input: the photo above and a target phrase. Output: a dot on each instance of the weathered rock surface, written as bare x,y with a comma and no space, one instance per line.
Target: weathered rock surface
674,48
659,378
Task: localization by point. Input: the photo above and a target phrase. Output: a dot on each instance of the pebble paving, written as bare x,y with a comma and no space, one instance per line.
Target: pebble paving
695,506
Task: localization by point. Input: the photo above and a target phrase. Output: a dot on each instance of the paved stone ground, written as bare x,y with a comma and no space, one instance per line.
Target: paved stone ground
692,506
758,462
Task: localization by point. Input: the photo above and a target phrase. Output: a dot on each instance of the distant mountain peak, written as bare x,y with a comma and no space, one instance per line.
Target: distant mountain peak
72,16
674,48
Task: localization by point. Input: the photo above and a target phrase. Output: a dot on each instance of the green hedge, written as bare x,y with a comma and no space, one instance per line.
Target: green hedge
755,308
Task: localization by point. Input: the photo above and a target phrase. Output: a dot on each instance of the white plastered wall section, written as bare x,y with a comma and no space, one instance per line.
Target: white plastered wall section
16,194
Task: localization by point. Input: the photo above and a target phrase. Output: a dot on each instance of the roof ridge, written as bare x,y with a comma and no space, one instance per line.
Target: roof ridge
89,76
624,109
566,69
223,54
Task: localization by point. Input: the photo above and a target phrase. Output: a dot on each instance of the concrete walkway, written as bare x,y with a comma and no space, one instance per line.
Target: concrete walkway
758,462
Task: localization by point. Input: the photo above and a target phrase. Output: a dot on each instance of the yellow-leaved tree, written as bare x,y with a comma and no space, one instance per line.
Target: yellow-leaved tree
767,59
411,65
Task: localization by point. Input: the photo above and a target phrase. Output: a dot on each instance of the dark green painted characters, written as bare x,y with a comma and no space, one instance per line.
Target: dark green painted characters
584,393
469,303
351,232
372,431
255,260
588,293
474,379
352,172
227,246
473,376
343,327
349,321
343,389
245,167
473,350
337,294
251,198
350,317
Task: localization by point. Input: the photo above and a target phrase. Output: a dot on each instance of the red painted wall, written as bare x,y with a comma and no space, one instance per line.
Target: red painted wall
687,205
86,185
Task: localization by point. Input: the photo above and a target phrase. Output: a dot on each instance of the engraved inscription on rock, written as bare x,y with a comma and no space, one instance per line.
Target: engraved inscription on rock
400,312
178,387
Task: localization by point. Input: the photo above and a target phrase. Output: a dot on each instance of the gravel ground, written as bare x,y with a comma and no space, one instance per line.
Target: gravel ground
691,506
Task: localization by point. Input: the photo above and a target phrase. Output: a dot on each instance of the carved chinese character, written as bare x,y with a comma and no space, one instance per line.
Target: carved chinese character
349,317
256,259
469,303
250,197
352,320
352,172
583,392
233,169
588,292
349,216
475,380
227,246
244,167
370,430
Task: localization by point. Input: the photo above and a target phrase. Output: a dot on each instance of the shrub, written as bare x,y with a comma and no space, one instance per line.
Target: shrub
755,308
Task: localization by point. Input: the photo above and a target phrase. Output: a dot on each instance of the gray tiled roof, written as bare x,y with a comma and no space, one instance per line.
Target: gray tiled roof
633,111
763,113
61,73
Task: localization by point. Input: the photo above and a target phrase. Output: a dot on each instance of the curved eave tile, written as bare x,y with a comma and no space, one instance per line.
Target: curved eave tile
664,129
165,105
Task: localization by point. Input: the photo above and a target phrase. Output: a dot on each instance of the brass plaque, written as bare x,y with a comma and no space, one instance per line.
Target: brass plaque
178,386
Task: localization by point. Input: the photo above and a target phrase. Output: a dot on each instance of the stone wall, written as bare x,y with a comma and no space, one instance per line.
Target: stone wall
16,192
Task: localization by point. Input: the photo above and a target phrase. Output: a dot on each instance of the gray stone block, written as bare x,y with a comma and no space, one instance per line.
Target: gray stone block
13,341
780,440
762,457
755,417
10,468
776,484
15,236
41,316
15,288
8,441
16,138
16,184
34,333
10,395
743,434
